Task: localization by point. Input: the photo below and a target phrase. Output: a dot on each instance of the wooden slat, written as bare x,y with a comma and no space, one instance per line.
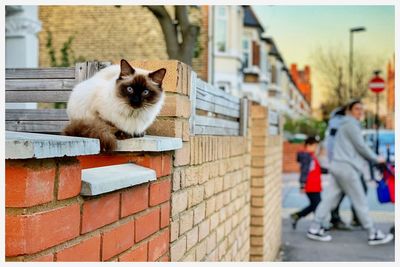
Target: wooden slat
36,115
40,84
216,91
41,73
37,96
212,107
36,126
203,95
192,91
216,122
208,130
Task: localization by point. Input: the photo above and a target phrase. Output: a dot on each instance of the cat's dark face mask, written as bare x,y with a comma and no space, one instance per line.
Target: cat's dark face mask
138,90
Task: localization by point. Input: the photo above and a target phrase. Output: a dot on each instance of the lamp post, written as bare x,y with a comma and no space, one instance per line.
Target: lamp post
352,30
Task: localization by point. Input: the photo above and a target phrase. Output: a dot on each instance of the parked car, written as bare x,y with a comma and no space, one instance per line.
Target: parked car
386,142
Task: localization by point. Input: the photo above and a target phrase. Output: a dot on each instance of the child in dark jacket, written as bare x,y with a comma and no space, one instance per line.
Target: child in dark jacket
310,178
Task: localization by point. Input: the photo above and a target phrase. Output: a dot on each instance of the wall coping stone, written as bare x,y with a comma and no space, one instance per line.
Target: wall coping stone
149,143
96,181
22,145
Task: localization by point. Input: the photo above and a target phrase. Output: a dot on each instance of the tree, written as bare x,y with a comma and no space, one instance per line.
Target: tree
180,35
331,67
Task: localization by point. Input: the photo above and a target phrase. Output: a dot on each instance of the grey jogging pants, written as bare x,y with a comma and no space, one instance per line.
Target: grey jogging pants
344,179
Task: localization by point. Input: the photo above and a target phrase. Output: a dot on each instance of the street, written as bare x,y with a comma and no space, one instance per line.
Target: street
345,245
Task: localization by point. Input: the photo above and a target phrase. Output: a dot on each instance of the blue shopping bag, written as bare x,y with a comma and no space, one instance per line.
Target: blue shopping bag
383,191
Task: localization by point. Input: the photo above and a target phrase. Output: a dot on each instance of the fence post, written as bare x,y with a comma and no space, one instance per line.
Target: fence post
192,93
244,107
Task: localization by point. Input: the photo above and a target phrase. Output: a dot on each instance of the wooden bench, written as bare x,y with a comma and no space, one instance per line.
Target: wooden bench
43,85
214,112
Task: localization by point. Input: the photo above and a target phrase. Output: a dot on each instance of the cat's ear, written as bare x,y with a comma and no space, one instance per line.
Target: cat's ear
158,75
126,69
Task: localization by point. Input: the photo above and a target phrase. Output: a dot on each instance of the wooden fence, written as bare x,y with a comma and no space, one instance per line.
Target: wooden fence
214,112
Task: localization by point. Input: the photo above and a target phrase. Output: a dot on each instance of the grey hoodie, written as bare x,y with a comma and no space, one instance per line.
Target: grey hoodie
350,146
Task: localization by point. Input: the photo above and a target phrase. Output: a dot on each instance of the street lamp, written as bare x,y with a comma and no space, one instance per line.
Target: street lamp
352,30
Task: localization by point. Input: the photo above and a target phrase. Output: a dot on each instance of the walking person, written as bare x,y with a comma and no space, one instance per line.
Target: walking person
310,178
349,153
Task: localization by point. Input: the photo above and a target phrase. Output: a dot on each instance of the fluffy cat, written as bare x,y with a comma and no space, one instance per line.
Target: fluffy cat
117,102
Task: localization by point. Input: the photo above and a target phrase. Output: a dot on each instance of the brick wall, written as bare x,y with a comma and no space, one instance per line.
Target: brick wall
47,219
210,209
109,32
266,187
216,199
289,156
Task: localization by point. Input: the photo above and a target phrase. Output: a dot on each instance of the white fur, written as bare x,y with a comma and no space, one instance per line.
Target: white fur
97,95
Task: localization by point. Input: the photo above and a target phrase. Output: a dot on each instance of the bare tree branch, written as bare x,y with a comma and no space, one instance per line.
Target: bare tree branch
168,28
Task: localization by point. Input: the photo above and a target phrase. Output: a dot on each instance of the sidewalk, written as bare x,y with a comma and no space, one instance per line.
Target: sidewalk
345,246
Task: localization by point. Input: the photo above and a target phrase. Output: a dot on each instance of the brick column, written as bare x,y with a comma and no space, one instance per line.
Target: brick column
266,183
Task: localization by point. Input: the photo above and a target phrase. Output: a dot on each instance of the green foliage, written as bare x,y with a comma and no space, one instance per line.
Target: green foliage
68,58
307,126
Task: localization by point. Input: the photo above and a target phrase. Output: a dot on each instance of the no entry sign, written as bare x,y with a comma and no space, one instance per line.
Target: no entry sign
377,84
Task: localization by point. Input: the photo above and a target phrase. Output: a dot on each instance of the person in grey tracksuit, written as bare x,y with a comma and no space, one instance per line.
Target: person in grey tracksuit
349,153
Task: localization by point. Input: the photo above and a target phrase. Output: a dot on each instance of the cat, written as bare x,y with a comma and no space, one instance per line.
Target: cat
118,102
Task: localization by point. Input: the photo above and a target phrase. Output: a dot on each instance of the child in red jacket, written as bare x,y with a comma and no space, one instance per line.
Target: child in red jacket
310,178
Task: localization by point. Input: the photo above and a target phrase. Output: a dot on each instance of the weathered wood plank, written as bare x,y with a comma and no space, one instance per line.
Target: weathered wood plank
208,130
216,122
40,84
36,115
37,96
41,73
216,91
212,107
36,126
244,107
192,101
203,95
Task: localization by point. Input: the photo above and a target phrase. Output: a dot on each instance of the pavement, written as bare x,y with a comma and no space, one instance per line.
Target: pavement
345,245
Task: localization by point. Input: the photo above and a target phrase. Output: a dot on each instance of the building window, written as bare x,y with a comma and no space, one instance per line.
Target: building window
246,53
221,32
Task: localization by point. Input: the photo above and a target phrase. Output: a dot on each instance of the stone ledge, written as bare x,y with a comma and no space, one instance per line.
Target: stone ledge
96,181
21,145
149,143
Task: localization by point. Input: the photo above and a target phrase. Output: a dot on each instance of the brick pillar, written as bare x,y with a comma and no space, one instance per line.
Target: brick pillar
266,183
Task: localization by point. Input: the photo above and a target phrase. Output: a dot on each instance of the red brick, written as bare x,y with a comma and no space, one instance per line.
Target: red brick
44,258
147,224
134,200
86,250
152,162
166,165
138,254
69,181
99,212
93,161
118,240
29,185
27,234
165,209
164,258
160,192
158,246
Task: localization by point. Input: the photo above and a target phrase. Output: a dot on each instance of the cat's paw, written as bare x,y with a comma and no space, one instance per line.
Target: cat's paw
139,135
121,135
108,144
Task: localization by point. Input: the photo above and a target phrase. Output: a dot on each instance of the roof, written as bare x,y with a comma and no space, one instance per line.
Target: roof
250,18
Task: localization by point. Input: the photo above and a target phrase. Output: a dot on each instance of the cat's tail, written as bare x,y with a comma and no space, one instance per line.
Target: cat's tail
92,129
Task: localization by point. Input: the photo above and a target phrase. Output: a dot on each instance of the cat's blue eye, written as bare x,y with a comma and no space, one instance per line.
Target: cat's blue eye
129,90
145,92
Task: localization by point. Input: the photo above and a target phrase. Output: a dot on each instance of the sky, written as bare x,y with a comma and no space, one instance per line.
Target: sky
299,30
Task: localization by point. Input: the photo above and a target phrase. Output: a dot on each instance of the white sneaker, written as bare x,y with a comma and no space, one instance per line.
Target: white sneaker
379,238
319,235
